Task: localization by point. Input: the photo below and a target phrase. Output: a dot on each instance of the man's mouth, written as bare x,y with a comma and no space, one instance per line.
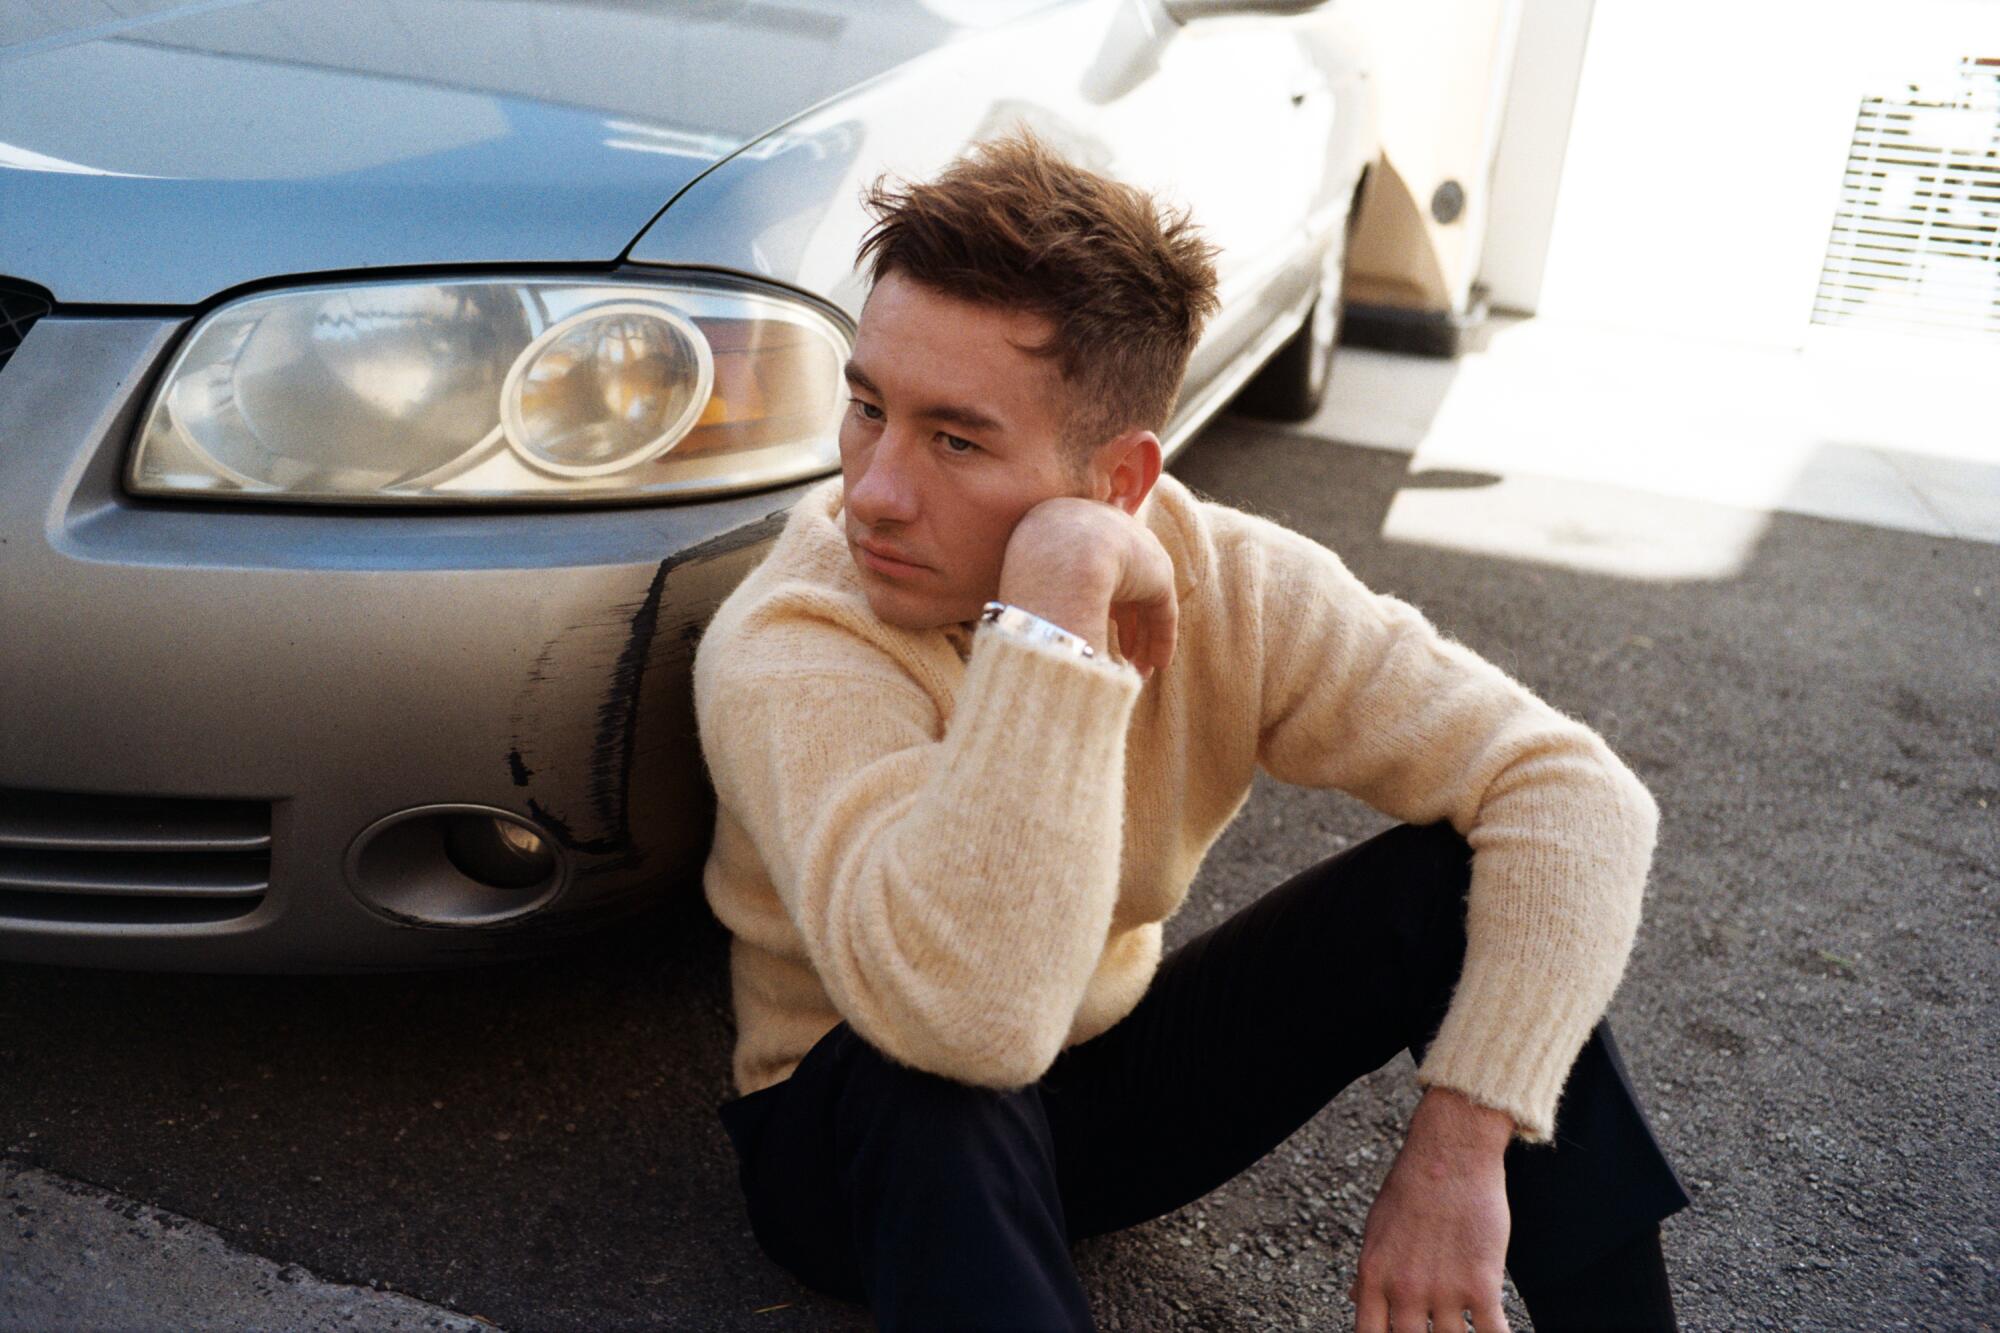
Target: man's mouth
885,559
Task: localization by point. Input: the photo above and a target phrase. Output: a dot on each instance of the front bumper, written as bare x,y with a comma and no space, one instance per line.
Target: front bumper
203,707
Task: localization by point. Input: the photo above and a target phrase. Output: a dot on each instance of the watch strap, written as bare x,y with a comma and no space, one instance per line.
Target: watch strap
1012,620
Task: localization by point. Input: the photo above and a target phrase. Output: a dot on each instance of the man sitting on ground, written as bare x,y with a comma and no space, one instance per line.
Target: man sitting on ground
973,724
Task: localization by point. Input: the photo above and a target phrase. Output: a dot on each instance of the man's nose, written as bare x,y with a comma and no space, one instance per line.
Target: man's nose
886,490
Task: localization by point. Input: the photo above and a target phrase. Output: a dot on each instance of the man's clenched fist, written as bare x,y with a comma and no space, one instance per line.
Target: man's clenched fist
1435,1244
1085,563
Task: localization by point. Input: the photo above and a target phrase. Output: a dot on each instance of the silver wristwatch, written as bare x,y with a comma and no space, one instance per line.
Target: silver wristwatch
1027,625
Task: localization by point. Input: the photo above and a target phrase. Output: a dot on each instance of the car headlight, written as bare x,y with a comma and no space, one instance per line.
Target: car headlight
484,389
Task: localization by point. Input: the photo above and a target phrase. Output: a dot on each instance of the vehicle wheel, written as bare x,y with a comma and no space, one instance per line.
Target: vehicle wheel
1293,382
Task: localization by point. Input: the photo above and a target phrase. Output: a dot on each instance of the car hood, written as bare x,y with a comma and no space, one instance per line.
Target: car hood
166,158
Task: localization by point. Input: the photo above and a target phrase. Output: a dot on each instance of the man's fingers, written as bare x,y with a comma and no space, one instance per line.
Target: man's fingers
1142,653
1411,1316
1146,588
1166,632
1146,635
1445,1313
1371,1309
1156,627
1378,1312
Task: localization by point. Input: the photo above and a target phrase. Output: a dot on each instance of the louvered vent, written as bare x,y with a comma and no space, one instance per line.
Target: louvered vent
20,306
1916,243
134,860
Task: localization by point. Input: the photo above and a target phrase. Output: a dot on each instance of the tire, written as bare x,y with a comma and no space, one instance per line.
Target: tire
1292,384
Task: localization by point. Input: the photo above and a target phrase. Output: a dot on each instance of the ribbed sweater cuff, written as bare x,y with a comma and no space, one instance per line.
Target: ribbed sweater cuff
1500,1056
1037,712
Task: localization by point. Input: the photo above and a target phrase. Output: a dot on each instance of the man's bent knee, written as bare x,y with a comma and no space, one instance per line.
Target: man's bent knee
1444,852
928,1111
1435,864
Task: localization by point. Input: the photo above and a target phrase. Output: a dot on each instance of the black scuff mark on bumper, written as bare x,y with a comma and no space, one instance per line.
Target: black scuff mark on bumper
618,720
763,530
614,749
559,828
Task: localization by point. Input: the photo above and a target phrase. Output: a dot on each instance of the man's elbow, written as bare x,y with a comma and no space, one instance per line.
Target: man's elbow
1006,1070
1638,812
1628,823
1002,1052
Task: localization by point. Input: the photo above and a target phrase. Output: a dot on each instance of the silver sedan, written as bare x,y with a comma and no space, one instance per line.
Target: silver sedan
389,393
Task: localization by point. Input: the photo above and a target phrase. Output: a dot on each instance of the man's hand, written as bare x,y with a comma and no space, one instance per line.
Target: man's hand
1436,1241
1083,563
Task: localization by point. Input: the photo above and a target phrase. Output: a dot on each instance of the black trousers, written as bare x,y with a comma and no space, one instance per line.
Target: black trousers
943,1205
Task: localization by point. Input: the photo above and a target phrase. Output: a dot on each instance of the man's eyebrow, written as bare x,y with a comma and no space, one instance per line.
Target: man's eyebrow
971,418
859,379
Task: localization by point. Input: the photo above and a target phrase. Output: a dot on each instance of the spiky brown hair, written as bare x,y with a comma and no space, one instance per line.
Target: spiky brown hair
1127,284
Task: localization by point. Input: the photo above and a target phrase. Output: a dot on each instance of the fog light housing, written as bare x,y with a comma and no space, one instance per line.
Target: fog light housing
455,865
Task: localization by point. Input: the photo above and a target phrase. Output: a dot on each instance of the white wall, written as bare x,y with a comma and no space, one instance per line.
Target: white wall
1706,150
1534,135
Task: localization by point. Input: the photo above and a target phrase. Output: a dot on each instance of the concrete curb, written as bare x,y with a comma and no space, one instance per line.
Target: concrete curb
73,1256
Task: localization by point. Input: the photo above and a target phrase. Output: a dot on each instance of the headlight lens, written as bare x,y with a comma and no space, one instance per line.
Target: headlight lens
606,389
482,389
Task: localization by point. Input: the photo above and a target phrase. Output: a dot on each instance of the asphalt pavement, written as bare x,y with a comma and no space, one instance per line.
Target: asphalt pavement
1809,1013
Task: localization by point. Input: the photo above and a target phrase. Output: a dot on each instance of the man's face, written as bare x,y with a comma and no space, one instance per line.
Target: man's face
952,435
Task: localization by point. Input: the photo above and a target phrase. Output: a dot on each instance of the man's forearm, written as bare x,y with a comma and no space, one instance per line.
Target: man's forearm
951,886
1551,914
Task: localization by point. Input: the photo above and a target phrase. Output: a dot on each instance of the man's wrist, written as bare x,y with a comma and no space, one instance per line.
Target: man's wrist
1449,1121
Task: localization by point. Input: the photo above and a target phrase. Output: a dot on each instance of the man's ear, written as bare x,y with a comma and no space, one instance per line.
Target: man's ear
1125,468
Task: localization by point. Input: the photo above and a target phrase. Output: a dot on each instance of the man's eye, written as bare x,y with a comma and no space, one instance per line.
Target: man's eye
868,410
952,442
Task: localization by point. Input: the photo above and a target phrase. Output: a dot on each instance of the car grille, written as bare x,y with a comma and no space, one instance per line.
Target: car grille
20,306
138,860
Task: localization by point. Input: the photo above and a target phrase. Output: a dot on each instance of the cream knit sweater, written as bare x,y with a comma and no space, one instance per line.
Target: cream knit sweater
965,845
